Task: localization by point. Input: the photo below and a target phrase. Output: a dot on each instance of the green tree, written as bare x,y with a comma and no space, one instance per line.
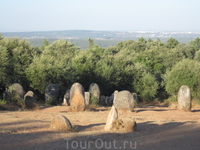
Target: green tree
144,83
185,72
172,43
197,56
20,54
4,67
53,66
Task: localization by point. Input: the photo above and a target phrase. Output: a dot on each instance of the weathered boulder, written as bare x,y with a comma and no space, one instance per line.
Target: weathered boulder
112,116
66,98
52,93
30,100
15,92
77,97
123,100
184,98
61,123
94,93
87,98
124,125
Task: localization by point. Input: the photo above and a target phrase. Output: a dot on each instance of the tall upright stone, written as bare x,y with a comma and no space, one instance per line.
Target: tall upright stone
184,98
87,98
77,97
94,93
30,100
52,93
112,117
123,100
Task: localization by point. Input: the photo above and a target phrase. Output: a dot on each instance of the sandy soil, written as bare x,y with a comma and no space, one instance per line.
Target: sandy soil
158,128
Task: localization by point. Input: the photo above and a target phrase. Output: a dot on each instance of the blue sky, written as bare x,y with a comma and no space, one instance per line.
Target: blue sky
115,15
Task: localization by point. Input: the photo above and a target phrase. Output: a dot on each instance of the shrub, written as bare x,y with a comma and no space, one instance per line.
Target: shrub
185,72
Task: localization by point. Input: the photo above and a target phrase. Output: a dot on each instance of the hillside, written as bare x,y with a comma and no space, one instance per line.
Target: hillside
101,38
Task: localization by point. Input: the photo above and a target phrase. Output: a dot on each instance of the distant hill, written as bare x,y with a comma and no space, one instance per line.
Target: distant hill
101,38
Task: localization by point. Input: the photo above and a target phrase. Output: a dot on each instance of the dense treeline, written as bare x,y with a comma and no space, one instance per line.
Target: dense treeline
150,68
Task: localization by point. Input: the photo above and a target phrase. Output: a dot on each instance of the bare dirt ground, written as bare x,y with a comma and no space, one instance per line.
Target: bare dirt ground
158,128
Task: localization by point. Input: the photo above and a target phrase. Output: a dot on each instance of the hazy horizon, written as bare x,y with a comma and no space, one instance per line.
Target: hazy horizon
104,15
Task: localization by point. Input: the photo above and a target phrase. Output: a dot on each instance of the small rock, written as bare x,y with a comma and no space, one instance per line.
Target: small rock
61,123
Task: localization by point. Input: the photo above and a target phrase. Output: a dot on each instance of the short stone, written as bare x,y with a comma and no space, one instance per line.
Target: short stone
66,98
30,100
61,123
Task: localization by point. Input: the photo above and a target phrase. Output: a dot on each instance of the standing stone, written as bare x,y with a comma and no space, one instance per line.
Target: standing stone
52,93
184,98
135,98
61,123
102,100
111,98
112,116
66,98
123,100
77,97
94,93
107,98
15,92
30,100
87,98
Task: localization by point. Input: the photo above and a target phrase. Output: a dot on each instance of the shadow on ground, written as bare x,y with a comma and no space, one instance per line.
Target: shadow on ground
172,135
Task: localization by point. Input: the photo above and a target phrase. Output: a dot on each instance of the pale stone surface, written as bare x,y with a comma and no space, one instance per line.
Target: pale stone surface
123,100
124,125
30,100
184,98
66,98
87,98
94,93
61,123
112,116
15,92
77,97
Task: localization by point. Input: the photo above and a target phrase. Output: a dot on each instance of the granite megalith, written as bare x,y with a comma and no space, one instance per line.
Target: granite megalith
77,97
123,100
184,98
